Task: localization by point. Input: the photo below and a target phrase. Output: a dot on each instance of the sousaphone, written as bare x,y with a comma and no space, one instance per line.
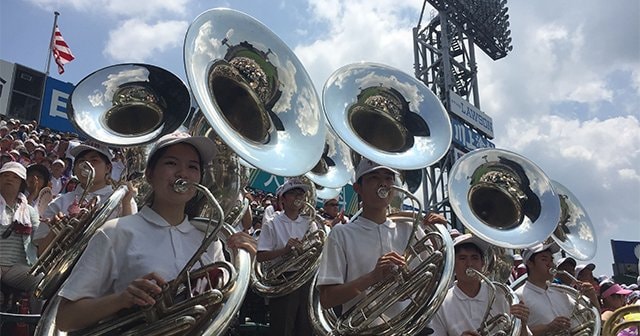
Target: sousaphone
126,106
387,116
508,201
257,98
503,198
391,118
254,92
574,232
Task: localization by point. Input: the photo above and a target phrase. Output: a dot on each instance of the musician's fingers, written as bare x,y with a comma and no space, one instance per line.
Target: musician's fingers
159,281
394,258
139,296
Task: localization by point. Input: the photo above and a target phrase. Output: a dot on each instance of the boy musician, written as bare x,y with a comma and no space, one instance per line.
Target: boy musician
549,307
289,313
365,251
465,304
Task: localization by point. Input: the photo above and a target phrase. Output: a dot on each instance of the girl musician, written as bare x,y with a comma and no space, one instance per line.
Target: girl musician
99,157
129,259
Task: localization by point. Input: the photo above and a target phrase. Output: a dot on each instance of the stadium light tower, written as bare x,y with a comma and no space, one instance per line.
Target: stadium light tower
444,59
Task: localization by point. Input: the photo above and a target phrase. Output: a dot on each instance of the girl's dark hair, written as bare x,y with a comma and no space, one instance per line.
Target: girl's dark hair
194,206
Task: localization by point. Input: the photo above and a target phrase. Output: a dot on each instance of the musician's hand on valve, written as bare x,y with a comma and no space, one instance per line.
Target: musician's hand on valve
559,323
386,264
294,243
141,291
434,218
520,311
244,241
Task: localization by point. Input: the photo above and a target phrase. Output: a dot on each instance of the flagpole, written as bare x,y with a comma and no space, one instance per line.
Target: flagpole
53,31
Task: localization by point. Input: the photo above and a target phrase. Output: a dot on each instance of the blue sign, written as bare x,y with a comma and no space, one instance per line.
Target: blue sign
266,182
625,252
466,138
54,105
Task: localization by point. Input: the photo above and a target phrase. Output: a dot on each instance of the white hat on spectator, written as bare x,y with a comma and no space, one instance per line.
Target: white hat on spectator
579,268
16,168
58,161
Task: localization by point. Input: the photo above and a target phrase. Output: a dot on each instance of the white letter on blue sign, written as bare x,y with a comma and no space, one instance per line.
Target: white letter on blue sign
58,99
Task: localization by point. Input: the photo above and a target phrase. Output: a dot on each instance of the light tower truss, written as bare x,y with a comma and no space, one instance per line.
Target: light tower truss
444,59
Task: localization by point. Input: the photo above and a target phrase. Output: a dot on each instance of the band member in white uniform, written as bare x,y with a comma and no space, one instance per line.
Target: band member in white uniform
99,156
129,259
465,304
549,307
365,251
289,313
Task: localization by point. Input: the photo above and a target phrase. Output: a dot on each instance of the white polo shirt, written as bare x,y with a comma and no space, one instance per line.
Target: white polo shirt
268,214
459,312
63,201
127,248
544,304
353,249
276,233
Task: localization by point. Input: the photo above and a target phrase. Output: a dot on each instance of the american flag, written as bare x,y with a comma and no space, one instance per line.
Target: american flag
61,51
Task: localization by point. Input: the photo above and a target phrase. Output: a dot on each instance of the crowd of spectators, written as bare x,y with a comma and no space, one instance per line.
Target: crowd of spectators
45,154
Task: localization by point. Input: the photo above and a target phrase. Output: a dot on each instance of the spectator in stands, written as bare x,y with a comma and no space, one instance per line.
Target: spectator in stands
18,222
58,179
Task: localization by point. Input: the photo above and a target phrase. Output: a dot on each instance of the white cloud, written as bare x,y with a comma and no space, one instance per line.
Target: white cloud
590,93
375,31
137,41
596,142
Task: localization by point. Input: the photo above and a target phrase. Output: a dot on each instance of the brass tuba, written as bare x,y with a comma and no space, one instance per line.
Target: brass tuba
254,92
506,200
258,100
621,319
271,278
584,316
124,105
180,308
393,119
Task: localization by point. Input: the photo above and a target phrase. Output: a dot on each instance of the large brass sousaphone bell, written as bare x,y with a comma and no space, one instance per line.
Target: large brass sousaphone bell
254,92
335,168
574,233
387,116
503,198
129,104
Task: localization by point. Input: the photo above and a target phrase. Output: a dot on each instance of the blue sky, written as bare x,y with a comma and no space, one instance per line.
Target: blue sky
567,97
